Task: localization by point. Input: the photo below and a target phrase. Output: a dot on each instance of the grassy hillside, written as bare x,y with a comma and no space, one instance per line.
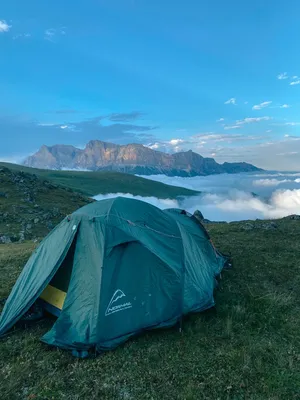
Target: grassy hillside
93,183
247,347
30,207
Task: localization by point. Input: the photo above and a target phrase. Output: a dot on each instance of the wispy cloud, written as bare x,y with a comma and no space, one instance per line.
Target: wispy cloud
289,153
292,123
228,127
131,116
252,120
261,105
287,124
51,33
231,101
4,27
220,120
285,106
22,36
284,75
297,82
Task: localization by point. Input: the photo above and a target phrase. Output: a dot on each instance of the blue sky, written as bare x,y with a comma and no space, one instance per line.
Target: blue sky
219,77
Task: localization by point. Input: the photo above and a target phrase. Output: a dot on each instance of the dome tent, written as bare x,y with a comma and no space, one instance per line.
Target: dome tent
113,269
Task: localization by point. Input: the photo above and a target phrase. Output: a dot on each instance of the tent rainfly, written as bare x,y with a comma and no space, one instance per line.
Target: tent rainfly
113,269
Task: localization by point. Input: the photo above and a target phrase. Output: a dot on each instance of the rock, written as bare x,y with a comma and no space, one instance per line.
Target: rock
36,220
21,236
5,239
28,227
295,217
248,226
55,212
46,216
269,226
198,214
50,225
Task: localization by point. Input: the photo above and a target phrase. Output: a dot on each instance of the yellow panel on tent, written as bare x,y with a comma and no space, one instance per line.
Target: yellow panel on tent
55,297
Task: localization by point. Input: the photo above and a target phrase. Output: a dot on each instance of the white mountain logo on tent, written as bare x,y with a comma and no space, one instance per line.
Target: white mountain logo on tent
117,303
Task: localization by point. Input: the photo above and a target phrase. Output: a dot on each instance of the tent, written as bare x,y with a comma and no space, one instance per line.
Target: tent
115,268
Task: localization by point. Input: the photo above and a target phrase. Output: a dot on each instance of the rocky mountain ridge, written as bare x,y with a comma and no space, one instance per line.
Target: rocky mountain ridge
131,158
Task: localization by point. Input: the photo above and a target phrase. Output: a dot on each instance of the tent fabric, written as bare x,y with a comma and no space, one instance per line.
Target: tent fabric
135,267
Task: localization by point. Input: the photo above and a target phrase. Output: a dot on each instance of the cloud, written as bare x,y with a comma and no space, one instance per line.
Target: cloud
259,152
220,120
231,101
122,117
228,127
23,135
284,75
252,120
297,82
261,105
13,158
229,197
52,33
160,203
287,124
4,27
285,106
289,153
175,142
202,142
269,182
22,36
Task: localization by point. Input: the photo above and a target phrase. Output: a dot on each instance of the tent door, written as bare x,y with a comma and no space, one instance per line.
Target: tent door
53,297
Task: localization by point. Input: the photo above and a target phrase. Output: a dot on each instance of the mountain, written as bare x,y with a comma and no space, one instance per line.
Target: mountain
131,158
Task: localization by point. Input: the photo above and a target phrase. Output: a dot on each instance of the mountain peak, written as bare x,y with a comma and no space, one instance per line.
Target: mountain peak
133,158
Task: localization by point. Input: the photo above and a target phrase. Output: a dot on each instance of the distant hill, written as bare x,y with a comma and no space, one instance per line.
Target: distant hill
33,201
103,182
131,158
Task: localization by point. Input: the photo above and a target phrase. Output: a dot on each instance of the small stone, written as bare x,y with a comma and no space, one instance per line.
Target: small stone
36,220
50,225
5,239
269,226
22,236
247,226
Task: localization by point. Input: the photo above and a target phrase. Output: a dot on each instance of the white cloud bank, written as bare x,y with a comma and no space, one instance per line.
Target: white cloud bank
230,197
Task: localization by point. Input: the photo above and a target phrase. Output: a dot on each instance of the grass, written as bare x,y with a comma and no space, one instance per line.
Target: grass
93,183
29,202
247,347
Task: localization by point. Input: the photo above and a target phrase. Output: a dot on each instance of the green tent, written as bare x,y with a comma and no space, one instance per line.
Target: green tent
115,268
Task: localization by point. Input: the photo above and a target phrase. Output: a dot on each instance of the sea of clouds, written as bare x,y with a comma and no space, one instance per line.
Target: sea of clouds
233,197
